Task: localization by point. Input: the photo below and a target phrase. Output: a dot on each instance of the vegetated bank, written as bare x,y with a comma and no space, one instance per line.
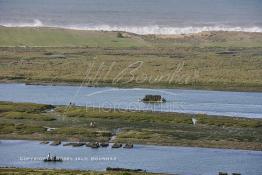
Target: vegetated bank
31,122
208,60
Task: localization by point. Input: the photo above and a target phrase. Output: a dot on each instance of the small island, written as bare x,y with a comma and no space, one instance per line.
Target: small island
52,159
153,99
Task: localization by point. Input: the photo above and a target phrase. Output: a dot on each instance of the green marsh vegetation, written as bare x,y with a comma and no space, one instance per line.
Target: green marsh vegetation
209,60
133,127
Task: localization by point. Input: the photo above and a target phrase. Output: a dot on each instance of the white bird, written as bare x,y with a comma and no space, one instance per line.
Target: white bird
194,121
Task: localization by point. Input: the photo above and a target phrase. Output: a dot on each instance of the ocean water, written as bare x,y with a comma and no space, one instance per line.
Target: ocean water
137,16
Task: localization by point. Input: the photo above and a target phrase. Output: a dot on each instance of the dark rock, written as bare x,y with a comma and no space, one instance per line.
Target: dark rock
93,145
78,144
128,146
117,145
74,144
104,144
44,142
68,144
124,169
53,159
55,143
222,173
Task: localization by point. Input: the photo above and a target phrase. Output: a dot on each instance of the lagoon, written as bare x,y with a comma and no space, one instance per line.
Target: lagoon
234,104
180,160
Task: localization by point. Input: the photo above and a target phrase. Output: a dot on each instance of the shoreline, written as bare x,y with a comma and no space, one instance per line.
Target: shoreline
130,30
58,171
138,144
129,33
130,85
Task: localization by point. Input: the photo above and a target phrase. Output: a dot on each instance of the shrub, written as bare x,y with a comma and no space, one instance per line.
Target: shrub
120,35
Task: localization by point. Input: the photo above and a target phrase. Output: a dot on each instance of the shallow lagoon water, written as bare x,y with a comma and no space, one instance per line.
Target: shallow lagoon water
240,104
180,160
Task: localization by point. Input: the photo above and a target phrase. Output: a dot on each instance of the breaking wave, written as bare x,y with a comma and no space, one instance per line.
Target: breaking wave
143,30
167,30
35,23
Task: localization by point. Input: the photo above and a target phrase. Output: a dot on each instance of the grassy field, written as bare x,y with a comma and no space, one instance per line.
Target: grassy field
209,60
30,121
24,171
51,37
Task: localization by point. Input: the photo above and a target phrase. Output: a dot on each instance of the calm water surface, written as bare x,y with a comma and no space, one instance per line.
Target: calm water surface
241,104
181,160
